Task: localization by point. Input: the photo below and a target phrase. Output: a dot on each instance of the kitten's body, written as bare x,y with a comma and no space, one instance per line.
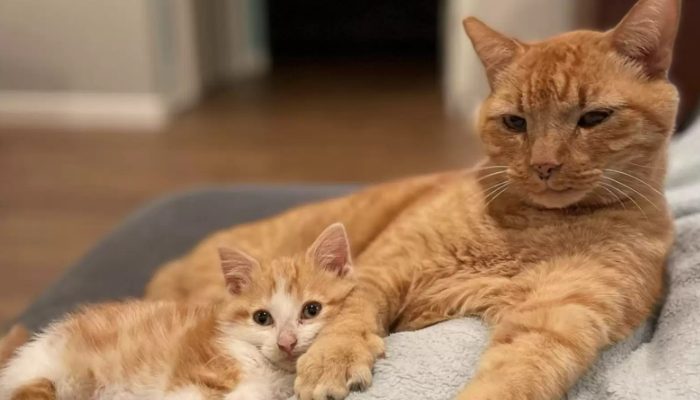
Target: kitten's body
165,350
16,337
137,350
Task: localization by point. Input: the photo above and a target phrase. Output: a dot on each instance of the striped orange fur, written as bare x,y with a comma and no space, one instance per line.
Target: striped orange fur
557,240
154,350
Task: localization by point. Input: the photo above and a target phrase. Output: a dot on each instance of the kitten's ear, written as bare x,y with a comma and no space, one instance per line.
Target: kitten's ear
647,34
494,49
331,250
237,267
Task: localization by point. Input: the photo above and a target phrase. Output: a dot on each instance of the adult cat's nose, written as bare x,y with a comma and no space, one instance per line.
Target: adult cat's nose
286,342
545,170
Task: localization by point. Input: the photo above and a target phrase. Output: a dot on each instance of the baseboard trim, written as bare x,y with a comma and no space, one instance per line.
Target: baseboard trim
132,111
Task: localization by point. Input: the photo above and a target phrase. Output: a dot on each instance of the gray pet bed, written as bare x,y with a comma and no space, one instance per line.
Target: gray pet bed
660,362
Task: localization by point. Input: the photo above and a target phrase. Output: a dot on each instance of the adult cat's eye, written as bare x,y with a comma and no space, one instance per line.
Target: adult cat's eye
311,310
515,123
262,317
593,118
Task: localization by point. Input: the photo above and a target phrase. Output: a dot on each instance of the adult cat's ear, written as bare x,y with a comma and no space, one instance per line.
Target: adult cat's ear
494,49
331,250
237,267
647,33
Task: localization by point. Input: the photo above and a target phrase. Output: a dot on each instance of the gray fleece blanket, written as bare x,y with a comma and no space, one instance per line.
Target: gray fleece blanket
661,361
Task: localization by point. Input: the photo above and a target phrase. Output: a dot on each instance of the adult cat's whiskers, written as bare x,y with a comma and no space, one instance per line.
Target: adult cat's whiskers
628,196
604,186
632,189
498,192
492,189
601,197
489,167
642,166
638,179
491,174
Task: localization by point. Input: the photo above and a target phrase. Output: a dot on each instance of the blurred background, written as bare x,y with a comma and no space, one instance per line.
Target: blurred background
107,104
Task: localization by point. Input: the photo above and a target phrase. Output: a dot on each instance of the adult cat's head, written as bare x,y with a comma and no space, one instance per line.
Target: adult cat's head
279,306
583,117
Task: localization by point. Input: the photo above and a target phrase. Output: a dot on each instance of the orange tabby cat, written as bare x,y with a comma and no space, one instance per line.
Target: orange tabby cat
242,349
558,241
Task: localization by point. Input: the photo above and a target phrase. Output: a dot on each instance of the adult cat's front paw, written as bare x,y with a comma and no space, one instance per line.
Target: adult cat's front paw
336,364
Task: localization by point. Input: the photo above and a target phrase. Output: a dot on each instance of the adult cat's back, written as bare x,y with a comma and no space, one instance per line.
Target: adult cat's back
365,214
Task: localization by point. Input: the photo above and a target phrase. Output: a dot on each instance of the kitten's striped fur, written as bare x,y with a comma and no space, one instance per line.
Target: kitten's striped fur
165,350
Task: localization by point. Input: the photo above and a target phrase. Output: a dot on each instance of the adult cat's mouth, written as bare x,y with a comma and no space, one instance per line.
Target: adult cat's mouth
558,198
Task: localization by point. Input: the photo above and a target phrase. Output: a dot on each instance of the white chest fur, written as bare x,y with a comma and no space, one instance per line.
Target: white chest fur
261,379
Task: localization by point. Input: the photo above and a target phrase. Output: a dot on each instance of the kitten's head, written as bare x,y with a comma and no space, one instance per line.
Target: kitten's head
279,306
564,114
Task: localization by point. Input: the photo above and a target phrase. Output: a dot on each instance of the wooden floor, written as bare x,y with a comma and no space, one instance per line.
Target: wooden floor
61,190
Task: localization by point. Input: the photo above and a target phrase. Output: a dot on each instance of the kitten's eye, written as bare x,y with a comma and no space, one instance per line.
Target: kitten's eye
593,118
515,123
311,310
262,317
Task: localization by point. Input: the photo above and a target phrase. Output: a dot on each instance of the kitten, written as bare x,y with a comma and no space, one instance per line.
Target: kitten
244,348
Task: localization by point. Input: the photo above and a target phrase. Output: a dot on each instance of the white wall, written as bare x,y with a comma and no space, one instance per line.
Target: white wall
87,61
77,45
175,55
464,81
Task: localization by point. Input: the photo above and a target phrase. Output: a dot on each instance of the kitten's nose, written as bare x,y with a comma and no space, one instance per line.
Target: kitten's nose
545,170
286,342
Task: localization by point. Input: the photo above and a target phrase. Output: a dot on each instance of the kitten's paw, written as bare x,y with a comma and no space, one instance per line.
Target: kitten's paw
335,364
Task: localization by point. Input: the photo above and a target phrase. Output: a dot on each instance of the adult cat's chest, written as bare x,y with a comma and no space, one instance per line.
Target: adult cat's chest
457,236
475,257
482,249
501,240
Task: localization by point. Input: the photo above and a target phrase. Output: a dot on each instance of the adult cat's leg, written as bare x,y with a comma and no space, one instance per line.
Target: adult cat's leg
342,356
458,296
574,307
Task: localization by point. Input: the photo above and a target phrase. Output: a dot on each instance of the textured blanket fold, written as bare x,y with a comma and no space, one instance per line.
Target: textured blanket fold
661,361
